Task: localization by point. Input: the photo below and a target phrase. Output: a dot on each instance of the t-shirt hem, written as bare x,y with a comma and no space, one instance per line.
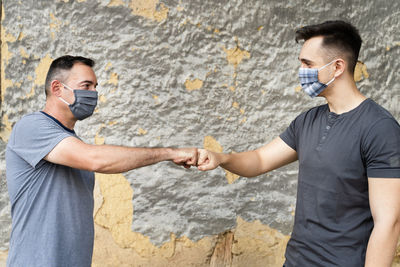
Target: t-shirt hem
384,173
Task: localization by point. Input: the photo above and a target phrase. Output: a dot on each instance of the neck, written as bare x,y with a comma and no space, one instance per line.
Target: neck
343,96
60,114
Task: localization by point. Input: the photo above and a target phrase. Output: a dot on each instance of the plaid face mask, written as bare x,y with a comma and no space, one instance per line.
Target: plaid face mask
309,80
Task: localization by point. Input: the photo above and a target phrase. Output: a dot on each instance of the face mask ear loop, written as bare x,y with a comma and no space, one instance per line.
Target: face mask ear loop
64,101
326,65
328,83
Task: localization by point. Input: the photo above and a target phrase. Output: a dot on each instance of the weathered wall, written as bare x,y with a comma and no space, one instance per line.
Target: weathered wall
215,74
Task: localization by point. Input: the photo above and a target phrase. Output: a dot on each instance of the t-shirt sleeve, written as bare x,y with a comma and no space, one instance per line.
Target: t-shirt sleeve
289,135
33,137
382,149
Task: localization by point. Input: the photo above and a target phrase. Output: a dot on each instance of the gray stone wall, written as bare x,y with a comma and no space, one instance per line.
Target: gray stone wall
173,72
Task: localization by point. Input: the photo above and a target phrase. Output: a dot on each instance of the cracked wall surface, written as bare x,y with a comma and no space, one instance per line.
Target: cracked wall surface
215,74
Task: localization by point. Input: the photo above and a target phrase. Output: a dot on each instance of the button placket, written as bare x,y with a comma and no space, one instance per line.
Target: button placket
330,121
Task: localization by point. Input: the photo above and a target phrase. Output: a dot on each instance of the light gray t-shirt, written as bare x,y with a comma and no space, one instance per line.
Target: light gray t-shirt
51,204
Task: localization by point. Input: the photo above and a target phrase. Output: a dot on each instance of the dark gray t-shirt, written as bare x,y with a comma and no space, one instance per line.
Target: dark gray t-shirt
51,205
337,154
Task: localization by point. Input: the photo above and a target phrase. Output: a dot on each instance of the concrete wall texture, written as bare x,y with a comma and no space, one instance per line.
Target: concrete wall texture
215,74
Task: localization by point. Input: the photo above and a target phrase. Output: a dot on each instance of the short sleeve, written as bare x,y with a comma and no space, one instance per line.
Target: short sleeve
34,136
382,149
289,135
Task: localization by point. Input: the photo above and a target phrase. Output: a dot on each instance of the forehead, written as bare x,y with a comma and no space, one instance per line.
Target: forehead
312,49
82,72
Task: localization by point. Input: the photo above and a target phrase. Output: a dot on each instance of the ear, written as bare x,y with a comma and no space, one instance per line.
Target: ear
340,66
55,88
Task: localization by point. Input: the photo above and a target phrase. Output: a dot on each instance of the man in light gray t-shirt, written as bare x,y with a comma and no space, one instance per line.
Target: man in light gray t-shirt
51,204
50,171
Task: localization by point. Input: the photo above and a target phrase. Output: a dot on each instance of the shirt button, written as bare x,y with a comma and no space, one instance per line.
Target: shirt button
323,137
328,127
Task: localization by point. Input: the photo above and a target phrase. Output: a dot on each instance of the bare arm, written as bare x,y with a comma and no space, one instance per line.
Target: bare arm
250,163
74,153
384,198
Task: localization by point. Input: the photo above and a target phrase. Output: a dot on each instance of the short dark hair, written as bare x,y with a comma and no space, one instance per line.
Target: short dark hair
337,35
60,65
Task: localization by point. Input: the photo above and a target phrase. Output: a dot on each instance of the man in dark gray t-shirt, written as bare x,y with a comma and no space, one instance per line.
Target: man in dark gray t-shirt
50,171
348,201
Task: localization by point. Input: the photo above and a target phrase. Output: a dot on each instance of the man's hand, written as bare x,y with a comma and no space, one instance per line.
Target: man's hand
208,160
185,157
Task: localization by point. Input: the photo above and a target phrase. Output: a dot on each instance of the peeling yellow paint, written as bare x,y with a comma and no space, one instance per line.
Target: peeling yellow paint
108,66
235,104
23,52
42,69
155,97
116,3
297,89
179,8
232,88
102,99
30,78
235,55
242,111
142,131
6,129
21,36
260,28
216,30
256,244
243,120
54,25
193,84
113,79
360,72
149,9
211,144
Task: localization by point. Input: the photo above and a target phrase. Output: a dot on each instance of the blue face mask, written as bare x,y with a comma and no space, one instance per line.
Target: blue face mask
309,80
85,103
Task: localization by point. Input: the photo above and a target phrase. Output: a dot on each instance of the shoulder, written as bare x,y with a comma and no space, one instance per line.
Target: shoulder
375,117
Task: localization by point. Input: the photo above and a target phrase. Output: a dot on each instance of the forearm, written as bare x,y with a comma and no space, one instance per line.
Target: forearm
382,246
246,164
117,159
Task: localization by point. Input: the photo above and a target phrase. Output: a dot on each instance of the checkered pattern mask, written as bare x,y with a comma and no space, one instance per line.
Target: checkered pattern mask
309,80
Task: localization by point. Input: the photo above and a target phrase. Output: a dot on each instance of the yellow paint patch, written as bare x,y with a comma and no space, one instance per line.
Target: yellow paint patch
54,25
108,66
5,129
256,244
235,55
21,36
235,104
241,111
149,9
102,99
113,79
142,131
297,89
179,8
23,52
360,72
216,30
210,143
116,3
232,88
41,71
260,28
155,97
193,84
